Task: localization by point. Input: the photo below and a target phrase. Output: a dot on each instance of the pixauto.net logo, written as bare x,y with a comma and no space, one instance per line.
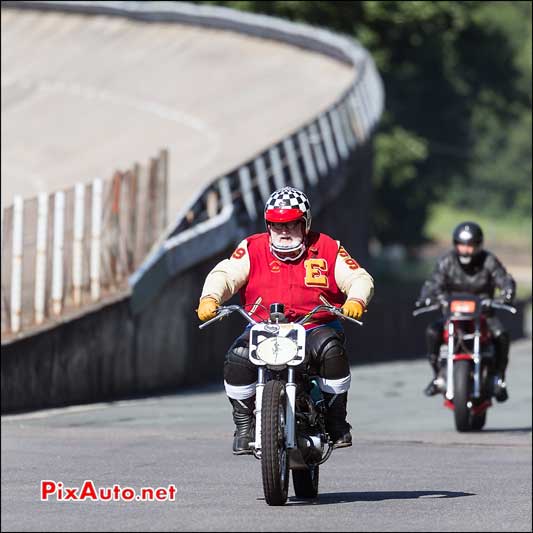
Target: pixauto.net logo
89,492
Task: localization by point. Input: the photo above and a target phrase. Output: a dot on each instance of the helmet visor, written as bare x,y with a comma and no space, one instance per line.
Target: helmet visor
280,214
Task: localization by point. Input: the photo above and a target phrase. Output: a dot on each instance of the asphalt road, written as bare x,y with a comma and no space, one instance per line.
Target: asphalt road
409,470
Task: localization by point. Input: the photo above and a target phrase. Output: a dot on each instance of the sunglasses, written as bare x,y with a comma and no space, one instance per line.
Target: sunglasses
280,226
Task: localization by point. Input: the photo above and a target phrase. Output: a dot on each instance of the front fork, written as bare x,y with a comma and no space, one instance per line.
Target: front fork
449,362
258,405
290,389
476,359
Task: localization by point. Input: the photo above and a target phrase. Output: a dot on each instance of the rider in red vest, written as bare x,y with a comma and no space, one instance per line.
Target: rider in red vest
292,265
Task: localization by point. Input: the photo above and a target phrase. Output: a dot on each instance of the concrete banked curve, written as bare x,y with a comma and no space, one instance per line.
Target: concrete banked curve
83,95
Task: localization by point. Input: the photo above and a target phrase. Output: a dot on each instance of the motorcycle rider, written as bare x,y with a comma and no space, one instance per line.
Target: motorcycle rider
469,268
302,269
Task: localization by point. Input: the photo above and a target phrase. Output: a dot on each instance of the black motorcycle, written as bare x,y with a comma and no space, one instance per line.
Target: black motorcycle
290,424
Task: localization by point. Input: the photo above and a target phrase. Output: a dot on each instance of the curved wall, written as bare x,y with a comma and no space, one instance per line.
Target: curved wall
149,340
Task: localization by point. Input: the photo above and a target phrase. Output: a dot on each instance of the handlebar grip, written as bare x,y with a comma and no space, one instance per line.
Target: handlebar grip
220,316
339,313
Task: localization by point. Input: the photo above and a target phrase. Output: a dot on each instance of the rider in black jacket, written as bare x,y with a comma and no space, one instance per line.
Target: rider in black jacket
469,268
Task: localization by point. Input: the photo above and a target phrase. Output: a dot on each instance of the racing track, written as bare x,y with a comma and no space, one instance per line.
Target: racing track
408,470
84,95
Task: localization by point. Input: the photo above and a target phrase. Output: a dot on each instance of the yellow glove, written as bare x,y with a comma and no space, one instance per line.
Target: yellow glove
352,309
207,308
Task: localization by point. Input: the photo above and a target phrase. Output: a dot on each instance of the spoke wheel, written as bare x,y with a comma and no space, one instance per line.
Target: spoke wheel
274,458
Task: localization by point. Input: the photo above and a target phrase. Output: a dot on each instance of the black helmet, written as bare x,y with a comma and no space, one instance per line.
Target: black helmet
471,234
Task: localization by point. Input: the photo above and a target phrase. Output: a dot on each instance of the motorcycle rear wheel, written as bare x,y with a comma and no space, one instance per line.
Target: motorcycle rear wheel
462,394
306,482
274,457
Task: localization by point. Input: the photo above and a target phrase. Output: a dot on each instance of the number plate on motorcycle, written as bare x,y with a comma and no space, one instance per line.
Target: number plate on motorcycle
277,344
462,306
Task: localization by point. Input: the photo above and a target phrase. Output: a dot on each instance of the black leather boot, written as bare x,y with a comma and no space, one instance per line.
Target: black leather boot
436,385
502,343
336,425
243,416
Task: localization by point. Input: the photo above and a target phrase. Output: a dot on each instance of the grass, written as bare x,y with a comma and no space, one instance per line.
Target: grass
508,231
509,238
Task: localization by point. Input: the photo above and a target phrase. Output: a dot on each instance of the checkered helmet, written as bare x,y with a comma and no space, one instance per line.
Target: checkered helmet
288,204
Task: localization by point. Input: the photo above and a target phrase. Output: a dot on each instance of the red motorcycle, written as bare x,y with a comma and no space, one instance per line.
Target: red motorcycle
467,374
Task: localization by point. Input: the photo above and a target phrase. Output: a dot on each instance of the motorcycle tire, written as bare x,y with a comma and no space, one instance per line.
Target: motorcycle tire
274,457
306,482
462,393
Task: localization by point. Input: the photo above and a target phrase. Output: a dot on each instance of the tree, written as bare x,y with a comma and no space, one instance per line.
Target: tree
457,126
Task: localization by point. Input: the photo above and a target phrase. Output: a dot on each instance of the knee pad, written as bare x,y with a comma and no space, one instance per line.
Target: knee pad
238,370
326,349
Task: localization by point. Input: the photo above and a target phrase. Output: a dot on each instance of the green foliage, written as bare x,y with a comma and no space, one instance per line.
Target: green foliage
512,231
457,129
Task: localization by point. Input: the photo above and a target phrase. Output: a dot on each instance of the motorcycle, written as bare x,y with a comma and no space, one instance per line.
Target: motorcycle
467,363
290,413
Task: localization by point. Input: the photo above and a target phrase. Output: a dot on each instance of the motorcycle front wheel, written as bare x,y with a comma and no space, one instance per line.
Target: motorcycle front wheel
274,458
462,394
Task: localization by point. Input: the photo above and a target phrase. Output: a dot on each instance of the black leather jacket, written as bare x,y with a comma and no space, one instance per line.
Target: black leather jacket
482,276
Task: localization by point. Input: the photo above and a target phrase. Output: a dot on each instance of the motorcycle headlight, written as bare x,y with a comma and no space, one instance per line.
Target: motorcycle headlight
277,350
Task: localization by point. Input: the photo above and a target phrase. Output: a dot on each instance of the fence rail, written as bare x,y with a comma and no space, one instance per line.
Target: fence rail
65,250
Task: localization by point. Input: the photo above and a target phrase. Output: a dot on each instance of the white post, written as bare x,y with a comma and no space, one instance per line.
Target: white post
16,268
277,167
247,192
310,170
328,141
296,176
316,144
77,245
40,258
57,257
262,178
96,239
345,119
338,133
356,116
2,254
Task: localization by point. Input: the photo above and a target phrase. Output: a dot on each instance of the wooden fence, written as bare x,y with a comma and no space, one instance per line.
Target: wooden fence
72,248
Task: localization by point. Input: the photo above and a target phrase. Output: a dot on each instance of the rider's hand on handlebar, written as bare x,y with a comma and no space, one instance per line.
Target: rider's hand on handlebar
422,302
352,309
207,308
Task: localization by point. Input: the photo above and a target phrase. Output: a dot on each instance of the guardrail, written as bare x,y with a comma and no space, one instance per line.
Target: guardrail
65,250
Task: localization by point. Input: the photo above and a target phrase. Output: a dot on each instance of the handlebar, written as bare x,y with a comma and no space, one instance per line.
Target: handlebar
426,309
331,309
226,310
487,302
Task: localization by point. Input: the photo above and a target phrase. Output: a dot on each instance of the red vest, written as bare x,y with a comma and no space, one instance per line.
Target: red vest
297,284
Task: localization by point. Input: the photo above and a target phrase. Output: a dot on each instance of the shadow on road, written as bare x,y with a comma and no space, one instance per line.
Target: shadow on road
507,430
348,497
